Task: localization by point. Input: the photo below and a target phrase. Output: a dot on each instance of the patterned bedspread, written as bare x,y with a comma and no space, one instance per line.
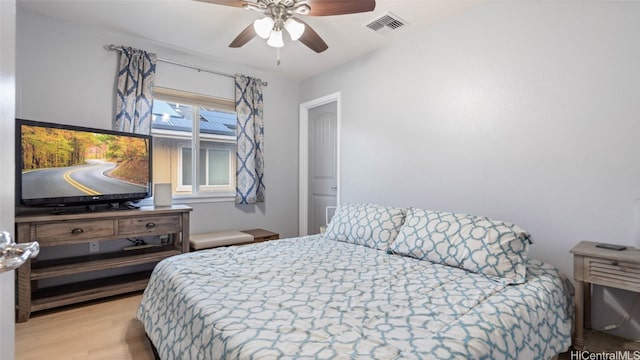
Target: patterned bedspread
313,298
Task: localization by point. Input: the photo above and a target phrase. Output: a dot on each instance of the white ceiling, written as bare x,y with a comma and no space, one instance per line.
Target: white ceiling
207,29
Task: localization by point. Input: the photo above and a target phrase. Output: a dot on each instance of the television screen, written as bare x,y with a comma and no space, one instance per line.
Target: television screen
71,165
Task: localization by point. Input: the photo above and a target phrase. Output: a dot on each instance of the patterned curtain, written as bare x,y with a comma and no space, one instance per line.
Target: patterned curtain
134,96
250,134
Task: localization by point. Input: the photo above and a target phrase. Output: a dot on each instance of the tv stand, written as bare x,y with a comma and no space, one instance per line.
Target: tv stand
61,210
57,211
82,228
128,205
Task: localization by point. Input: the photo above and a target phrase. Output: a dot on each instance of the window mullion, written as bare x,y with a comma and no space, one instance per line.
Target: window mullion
195,190
207,167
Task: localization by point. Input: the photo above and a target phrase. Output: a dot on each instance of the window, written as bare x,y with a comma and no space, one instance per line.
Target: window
214,164
183,122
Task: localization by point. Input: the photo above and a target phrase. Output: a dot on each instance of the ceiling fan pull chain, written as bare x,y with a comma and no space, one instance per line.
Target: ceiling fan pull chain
277,56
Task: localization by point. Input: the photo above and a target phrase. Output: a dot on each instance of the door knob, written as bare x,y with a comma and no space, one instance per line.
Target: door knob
13,255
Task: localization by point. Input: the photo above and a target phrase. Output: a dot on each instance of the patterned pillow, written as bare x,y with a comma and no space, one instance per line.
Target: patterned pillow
364,224
473,243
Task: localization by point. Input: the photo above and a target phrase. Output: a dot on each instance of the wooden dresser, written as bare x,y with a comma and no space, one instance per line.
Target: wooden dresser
83,228
611,268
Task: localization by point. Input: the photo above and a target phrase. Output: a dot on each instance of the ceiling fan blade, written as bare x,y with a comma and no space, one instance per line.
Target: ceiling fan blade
234,3
244,37
311,38
339,7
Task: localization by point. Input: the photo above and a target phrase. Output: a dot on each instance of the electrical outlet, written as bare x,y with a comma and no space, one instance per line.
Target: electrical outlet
94,246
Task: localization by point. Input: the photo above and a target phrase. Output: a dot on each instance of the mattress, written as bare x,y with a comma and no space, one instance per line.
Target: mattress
315,298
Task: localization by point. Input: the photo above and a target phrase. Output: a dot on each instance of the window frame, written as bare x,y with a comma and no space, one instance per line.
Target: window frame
200,193
180,186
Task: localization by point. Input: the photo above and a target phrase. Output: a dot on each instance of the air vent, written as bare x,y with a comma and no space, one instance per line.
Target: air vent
385,24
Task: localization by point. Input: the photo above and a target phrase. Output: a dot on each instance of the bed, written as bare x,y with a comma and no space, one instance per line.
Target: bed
320,297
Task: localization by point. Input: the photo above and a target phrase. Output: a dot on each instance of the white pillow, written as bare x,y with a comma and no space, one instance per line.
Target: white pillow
473,243
374,226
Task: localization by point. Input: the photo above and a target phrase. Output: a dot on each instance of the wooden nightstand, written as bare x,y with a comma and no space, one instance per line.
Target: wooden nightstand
592,265
260,235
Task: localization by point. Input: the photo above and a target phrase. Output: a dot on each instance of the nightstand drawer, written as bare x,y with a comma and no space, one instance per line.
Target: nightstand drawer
150,225
613,272
72,232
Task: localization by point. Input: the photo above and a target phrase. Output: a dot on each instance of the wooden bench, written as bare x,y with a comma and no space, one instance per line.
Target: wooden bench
219,238
260,235
231,237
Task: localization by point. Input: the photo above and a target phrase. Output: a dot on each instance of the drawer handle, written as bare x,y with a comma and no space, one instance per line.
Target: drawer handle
77,231
614,263
150,225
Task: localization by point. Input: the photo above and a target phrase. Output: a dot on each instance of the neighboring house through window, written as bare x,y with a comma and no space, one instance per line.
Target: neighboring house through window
185,121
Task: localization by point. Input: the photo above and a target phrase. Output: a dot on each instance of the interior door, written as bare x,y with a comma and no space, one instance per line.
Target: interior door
323,143
7,116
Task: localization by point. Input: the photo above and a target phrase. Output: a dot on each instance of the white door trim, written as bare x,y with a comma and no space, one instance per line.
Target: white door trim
7,161
303,212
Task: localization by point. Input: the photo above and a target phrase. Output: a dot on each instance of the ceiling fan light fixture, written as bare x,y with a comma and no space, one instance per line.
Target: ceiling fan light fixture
302,9
263,27
254,7
294,28
275,40
278,12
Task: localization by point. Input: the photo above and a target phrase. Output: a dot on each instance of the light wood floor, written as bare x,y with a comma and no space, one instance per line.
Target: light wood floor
108,330
104,330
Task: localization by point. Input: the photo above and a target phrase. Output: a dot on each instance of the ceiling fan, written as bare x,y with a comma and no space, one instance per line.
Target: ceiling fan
280,15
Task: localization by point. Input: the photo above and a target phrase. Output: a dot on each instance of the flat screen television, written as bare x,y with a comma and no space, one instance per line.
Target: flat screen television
64,165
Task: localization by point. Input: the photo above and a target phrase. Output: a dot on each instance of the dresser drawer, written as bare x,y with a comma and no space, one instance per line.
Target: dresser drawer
149,225
73,231
606,272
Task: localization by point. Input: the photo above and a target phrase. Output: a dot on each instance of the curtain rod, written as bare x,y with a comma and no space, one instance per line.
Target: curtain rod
193,67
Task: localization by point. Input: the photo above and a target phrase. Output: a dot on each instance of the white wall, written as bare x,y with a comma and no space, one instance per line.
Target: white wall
65,75
7,161
527,112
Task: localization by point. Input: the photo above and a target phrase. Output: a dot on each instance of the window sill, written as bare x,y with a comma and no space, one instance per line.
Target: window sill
192,199
204,199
